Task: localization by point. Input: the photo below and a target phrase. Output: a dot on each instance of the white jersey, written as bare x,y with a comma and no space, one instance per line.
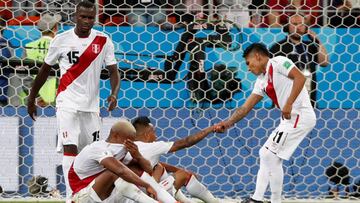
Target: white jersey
81,61
87,167
151,151
276,84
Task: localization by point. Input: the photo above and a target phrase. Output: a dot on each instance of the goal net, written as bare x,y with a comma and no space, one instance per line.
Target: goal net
181,65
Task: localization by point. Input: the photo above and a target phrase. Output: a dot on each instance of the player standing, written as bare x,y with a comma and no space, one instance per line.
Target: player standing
283,82
81,53
97,173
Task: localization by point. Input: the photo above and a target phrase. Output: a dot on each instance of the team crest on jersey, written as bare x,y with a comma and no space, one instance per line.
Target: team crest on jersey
96,48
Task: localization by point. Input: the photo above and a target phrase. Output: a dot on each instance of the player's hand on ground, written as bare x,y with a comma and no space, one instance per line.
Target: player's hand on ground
132,148
286,111
112,102
31,108
151,192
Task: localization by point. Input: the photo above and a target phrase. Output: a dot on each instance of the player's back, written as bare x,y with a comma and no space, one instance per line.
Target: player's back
87,162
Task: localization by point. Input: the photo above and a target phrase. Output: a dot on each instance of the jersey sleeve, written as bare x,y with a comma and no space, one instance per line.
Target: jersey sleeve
284,65
162,147
109,53
99,154
127,159
53,52
258,89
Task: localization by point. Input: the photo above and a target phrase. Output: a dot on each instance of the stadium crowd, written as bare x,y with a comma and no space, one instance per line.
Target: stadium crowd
248,13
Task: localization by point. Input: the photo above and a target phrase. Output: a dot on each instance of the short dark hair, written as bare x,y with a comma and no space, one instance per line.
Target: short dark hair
141,121
256,47
85,4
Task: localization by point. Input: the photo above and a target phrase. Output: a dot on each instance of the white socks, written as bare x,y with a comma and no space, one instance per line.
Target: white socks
197,189
67,161
182,198
132,192
270,171
162,195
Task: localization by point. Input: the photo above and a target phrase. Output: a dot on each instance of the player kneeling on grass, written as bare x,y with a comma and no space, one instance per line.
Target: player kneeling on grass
152,150
97,173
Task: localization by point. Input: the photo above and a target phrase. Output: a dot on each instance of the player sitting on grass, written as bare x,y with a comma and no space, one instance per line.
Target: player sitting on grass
152,150
97,173
162,195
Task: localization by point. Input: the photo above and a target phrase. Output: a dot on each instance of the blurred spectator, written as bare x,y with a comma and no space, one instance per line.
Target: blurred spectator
235,11
114,12
306,54
5,12
5,53
25,7
342,14
66,8
257,16
278,18
188,10
147,12
37,50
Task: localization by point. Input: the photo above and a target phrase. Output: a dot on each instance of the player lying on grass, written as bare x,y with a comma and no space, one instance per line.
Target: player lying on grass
97,173
152,150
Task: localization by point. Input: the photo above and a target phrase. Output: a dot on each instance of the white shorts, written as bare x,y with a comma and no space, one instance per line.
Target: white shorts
88,195
284,140
77,128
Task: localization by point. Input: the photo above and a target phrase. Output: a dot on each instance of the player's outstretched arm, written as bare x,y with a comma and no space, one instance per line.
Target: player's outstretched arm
298,85
191,140
38,83
137,157
126,174
239,113
115,86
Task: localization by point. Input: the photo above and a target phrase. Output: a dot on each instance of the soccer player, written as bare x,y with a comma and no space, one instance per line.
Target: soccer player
97,173
283,82
81,53
152,150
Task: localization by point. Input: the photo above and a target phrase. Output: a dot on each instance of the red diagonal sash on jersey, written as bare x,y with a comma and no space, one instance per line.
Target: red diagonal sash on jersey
270,90
84,61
